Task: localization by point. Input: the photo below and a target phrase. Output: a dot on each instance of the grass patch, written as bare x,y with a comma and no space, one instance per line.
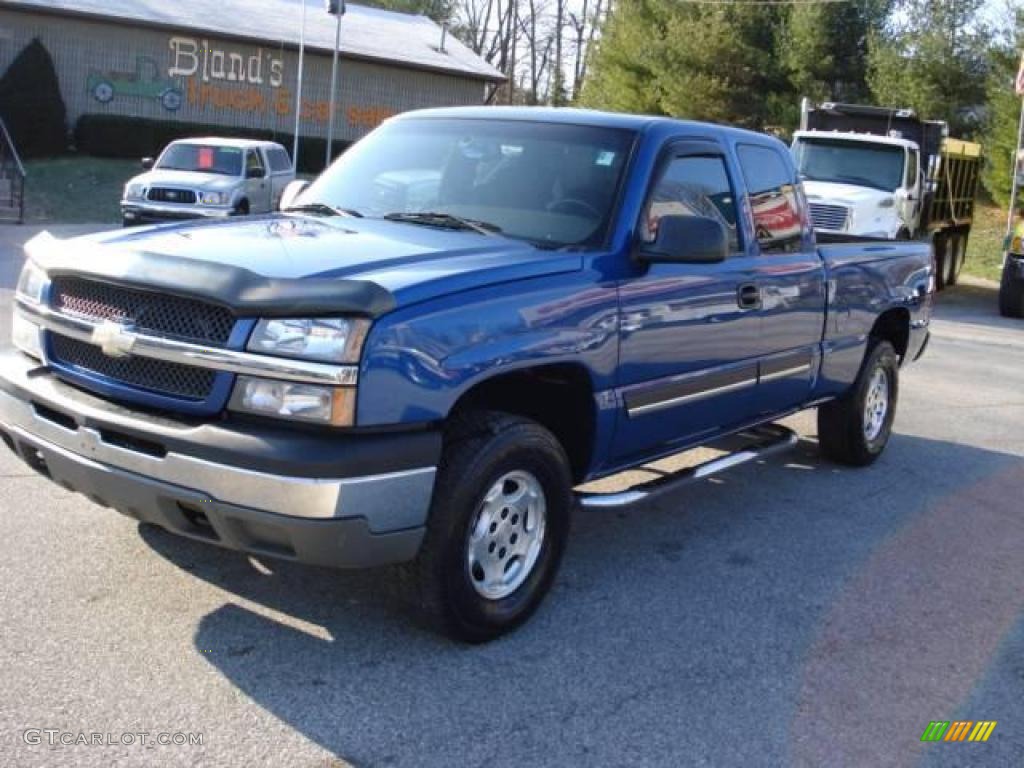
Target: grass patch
76,189
985,246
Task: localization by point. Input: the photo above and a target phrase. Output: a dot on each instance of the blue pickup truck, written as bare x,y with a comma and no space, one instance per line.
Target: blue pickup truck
473,313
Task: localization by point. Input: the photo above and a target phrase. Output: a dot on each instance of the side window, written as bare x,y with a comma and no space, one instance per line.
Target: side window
774,199
279,160
692,186
254,164
911,168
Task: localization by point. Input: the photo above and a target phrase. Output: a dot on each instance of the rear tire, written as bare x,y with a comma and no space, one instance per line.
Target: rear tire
961,253
1011,291
855,429
949,260
498,526
939,260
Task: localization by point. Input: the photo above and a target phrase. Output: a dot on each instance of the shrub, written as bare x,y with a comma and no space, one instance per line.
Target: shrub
31,104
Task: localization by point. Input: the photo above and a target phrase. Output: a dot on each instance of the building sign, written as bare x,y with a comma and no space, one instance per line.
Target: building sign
249,81
196,58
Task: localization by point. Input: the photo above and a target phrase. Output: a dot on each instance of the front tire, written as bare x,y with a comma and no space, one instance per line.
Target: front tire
855,429
498,526
1011,291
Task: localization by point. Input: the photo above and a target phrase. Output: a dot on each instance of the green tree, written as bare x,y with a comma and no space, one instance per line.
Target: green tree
934,58
1002,113
707,62
824,48
31,104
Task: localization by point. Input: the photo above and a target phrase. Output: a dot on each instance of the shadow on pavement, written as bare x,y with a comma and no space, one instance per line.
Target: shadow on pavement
797,595
974,304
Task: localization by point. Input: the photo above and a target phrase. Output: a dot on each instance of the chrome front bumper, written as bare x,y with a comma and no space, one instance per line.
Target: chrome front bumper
343,522
143,211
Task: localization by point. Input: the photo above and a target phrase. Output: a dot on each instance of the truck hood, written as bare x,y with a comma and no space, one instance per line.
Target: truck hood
846,194
187,180
413,263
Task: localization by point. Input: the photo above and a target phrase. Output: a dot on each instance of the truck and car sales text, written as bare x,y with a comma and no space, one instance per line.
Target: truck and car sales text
205,66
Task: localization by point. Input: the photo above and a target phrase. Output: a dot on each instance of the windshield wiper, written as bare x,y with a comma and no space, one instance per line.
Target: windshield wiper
447,220
325,209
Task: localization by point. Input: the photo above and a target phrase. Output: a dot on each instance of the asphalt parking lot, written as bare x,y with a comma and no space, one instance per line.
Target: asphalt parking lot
790,613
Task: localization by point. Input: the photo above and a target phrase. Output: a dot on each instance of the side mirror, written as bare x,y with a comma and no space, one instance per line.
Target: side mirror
147,163
687,240
291,192
255,173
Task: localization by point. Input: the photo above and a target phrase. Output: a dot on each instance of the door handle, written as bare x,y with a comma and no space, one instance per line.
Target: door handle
748,296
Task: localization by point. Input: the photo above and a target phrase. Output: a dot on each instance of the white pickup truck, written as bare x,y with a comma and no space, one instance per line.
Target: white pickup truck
208,178
885,174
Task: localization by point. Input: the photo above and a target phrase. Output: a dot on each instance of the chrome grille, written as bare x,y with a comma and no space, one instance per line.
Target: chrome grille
157,314
154,314
170,195
181,381
833,217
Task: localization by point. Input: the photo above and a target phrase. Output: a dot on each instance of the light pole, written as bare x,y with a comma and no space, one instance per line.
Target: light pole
298,89
335,8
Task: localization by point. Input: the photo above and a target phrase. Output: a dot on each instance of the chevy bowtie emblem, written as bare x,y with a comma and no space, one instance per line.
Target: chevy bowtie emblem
113,338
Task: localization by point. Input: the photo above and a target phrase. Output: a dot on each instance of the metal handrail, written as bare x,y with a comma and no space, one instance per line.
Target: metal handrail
14,150
9,153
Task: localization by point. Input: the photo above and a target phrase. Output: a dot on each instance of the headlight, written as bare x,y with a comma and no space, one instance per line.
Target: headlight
25,336
299,402
31,283
134,191
325,339
216,198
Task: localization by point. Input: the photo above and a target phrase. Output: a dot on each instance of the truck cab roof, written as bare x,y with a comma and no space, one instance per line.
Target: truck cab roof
220,141
866,138
588,117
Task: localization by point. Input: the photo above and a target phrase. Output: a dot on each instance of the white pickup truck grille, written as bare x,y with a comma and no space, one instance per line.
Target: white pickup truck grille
831,217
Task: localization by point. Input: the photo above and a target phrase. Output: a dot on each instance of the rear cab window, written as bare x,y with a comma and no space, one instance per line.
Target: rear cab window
279,160
775,199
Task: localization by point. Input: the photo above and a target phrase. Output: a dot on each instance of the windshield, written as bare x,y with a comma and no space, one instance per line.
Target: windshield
850,162
202,158
553,185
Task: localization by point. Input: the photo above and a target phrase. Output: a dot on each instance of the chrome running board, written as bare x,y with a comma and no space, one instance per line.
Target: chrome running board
760,442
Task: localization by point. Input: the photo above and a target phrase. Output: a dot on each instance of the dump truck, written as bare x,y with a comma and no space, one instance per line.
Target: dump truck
885,173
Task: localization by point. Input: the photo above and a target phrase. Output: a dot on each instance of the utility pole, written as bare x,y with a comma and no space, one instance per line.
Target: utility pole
298,89
1015,189
335,8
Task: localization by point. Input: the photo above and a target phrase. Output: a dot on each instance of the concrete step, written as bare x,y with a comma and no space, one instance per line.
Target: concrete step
9,214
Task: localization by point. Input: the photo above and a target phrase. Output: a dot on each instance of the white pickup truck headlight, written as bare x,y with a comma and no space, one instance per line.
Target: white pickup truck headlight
216,198
325,339
298,402
135,192
31,283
